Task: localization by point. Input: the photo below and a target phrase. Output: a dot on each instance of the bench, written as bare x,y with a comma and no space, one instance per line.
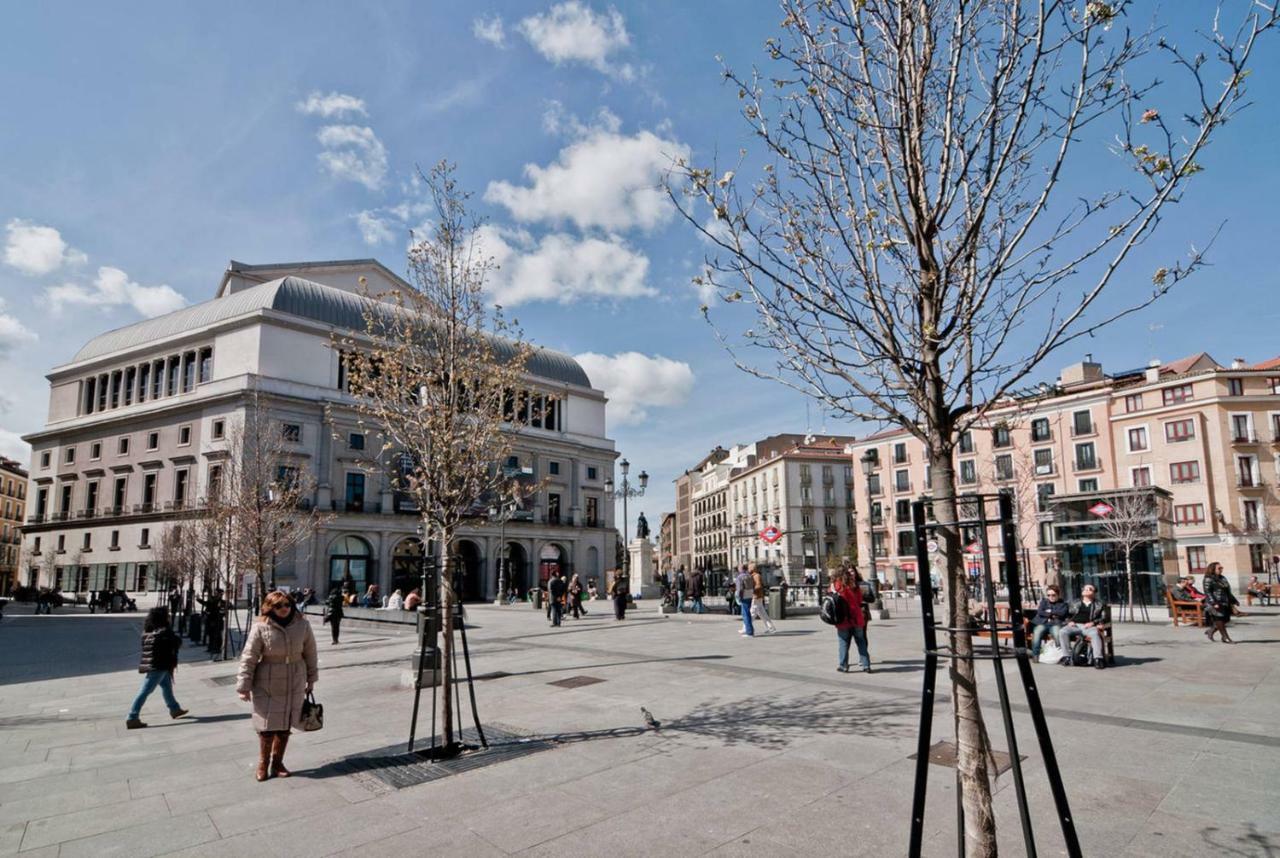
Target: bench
1180,611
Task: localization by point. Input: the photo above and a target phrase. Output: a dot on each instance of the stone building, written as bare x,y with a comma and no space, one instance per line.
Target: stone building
139,419
13,501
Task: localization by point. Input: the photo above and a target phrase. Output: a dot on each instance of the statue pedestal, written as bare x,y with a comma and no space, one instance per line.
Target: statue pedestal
643,569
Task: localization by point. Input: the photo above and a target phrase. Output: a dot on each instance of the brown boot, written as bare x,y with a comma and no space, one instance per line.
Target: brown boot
277,755
264,755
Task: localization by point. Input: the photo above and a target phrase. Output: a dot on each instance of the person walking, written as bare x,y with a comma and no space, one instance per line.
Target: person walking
743,589
575,597
869,597
696,589
157,664
619,590
174,601
1218,600
680,584
214,610
278,669
759,604
556,589
334,615
853,627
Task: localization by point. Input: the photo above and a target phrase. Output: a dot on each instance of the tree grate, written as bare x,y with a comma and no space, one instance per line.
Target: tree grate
945,754
396,768
576,681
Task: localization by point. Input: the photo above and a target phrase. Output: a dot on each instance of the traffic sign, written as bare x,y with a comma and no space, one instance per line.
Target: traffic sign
932,545
771,534
974,547
1102,509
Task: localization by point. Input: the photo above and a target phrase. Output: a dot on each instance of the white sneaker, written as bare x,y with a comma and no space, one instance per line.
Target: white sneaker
742,631
771,630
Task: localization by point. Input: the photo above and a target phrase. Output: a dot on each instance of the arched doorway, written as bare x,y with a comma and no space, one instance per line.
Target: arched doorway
406,565
593,565
350,556
552,558
468,583
517,567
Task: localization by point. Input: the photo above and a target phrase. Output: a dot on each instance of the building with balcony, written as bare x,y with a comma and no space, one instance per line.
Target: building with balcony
140,418
1207,434
13,503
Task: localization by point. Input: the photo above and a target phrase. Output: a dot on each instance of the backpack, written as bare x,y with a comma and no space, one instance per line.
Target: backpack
833,610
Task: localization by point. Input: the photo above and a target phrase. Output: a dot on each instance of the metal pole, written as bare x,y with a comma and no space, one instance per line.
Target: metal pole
923,741
626,538
871,536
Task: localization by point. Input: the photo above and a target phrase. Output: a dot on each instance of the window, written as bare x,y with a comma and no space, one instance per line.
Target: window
1274,384
1043,459
553,468
66,499
1241,429
144,373
144,541
593,512
1246,472
877,513
1184,472
184,436
115,540
188,372
968,472
130,375
69,457
206,365
1196,559
1004,467
286,477
44,459
1082,423
1133,402
91,497
906,543
1190,513
1000,436
1258,559
219,430
1138,439
591,472
87,545
1141,477
117,496
62,543
355,441
1040,429
1180,430
141,582
153,440
873,484
1235,387
902,510
122,446
553,508
1275,427
36,545
902,480
966,442
899,453
95,451
355,492
291,432
1044,491
180,488
1089,485
1046,533
1175,395
1086,457
148,492
1251,515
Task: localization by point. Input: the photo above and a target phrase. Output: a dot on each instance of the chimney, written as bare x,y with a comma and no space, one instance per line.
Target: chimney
1080,373
1153,370
1237,363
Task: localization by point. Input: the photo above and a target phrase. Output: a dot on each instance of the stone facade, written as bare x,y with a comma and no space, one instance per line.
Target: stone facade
13,502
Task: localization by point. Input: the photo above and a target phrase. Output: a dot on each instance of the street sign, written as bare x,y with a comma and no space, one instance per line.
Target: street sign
974,547
932,545
1102,509
771,534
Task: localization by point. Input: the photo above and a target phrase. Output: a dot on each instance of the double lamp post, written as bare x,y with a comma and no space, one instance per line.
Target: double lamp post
624,492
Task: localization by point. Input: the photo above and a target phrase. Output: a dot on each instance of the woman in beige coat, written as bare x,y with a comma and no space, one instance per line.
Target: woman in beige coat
277,670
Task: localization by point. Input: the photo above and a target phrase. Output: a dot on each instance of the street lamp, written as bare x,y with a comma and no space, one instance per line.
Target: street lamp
624,492
502,515
869,461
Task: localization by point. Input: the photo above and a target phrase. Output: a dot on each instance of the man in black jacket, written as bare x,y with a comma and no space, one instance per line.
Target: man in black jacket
1085,618
1050,616
556,589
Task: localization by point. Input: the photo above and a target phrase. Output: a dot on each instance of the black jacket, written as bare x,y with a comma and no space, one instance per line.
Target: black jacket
557,587
1218,595
159,651
1082,613
1051,612
335,605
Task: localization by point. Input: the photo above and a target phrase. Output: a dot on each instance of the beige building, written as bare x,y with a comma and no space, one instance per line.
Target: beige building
667,542
13,501
1208,434
139,421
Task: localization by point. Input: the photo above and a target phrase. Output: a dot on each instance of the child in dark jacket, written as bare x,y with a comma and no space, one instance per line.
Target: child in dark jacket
159,661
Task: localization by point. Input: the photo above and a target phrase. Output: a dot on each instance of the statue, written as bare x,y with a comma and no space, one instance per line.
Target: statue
642,527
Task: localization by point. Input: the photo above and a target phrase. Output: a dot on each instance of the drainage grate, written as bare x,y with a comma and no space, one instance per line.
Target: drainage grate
229,679
944,754
576,681
394,767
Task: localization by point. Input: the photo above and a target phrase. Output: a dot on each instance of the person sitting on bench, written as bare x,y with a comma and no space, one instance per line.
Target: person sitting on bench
1050,616
1255,589
1185,591
1085,618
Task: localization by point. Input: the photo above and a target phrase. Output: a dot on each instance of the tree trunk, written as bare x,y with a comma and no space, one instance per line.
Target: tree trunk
1128,573
446,655
971,732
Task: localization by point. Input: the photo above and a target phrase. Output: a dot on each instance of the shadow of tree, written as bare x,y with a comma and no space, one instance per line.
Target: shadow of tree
776,724
1251,844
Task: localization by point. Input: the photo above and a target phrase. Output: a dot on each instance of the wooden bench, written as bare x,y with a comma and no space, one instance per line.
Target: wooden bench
1182,611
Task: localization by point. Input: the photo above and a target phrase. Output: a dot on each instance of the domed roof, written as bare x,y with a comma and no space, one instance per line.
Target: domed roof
306,299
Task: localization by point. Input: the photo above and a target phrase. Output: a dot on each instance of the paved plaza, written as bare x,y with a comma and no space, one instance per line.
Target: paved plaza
764,749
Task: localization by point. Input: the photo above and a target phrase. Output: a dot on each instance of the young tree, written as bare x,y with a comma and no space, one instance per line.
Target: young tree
906,253
49,563
439,375
1130,525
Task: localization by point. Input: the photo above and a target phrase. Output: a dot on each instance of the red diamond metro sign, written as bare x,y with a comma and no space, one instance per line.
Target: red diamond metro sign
771,534
1102,509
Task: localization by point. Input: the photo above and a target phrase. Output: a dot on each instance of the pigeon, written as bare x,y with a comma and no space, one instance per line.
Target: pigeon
649,721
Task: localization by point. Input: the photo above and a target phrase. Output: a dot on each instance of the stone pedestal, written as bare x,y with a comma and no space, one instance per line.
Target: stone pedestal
644,568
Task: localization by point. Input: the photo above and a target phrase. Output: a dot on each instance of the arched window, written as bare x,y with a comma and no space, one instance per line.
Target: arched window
350,556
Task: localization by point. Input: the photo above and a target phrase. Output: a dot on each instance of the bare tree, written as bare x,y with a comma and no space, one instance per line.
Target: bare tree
1130,525
438,375
908,254
1268,533
49,562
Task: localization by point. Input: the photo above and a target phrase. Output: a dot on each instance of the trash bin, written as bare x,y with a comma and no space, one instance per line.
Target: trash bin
537,600
195,626
777,604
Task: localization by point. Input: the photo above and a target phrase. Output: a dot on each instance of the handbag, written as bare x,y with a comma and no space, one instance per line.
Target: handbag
1050,653
312,718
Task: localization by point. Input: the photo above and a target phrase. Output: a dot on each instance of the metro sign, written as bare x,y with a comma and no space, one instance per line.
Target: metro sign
1102,509
771,534
974,547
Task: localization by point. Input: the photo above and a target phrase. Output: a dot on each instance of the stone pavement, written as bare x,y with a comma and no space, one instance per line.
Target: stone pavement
763,750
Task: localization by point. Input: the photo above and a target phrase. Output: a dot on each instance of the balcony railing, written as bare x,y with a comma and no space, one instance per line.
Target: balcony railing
1083,465
1244,438
1248,481
1083,431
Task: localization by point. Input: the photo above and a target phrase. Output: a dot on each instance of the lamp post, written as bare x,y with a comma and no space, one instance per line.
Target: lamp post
869,461
503,514
624,492
271,498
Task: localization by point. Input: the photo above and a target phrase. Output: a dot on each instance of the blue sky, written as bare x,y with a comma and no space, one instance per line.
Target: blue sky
143,149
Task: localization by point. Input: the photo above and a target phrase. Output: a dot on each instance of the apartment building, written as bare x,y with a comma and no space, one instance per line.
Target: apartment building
1205,433
689,544
667,542
13,502
141,418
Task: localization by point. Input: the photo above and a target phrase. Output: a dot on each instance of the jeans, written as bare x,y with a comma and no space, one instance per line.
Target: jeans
760,610
698,607
557,612
162,678
1068,633
680,602
1038,635
858,635
745,601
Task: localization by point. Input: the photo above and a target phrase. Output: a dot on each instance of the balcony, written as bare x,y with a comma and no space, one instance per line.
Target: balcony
1247,482
902,487
144,508
1082,466
1244,438
59,516
1079,431
35,519
828,479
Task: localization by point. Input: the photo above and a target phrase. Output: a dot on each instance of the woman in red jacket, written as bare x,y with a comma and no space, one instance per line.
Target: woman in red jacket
854,626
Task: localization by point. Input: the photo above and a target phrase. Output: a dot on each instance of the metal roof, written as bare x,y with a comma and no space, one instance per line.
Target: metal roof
306,299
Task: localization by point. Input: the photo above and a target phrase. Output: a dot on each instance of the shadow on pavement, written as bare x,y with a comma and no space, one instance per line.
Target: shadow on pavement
1253,843
215,719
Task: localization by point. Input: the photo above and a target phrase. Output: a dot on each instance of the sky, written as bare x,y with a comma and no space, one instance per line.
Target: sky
143,147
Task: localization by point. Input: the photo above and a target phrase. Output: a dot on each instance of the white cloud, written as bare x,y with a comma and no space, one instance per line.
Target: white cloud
12,334
353,152
331,104
113,288
12,445
561,268
490,30
572,32
373,229
604,179
635,382
36,250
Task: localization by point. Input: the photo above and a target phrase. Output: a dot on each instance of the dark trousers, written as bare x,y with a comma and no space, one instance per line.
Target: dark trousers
215,636
620,607
334,623
557,612
575,604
